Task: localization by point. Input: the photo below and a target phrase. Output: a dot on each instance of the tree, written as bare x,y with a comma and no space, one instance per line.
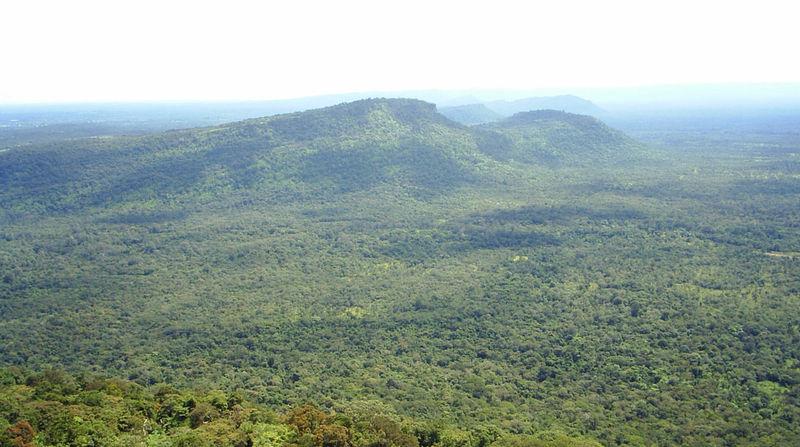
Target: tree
306,418
202,413
21,434
332,436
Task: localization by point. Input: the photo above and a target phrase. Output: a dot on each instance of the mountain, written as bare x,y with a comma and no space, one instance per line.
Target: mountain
31,124
555,137
337,149
541,280
566,103
345,148
486,112
470,114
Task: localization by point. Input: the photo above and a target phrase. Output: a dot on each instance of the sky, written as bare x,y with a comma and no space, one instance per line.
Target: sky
143,50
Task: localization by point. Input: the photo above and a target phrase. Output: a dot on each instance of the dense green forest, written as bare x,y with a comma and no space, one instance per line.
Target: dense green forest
540,280
90,411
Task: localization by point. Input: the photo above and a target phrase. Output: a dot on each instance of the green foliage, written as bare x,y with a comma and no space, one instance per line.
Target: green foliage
269,435
133,415
382,431
554,439
542,277
557,138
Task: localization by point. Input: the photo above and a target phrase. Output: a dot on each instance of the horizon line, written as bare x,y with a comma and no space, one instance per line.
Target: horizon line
365,93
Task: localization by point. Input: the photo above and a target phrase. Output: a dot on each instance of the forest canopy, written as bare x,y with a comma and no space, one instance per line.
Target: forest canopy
544,279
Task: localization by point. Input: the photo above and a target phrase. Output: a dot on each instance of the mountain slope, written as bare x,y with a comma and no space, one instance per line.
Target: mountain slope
554,137
339,149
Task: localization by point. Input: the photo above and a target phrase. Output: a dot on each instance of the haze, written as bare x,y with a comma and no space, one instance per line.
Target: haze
89,51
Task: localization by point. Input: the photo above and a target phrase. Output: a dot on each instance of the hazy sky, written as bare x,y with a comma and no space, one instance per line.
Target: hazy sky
75,50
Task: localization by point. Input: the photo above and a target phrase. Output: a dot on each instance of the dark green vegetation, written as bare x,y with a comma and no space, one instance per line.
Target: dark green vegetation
53,408
549,137
544,274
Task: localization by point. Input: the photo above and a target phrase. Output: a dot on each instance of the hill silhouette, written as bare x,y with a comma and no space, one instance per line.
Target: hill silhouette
565,103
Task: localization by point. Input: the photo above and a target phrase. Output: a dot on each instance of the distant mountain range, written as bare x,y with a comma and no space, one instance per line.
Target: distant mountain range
485,112
566,103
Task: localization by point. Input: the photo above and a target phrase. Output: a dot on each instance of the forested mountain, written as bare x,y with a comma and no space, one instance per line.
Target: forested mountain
542,280
344,148
549,136
31,124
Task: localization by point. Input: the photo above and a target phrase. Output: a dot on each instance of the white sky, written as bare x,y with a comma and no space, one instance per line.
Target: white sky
133,50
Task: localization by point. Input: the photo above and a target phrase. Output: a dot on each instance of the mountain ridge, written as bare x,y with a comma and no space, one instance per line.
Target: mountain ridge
492,111
341,148
567,103
556,138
